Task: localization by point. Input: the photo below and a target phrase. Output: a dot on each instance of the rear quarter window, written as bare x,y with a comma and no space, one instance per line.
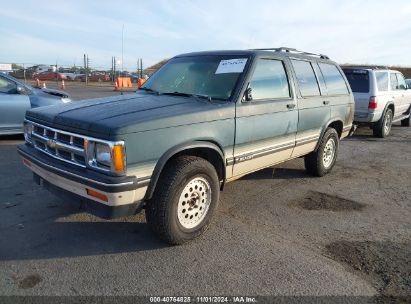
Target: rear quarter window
359,80
333,79
382,81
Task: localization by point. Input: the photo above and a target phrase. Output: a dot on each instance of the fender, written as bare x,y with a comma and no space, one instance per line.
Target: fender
334,119
173,151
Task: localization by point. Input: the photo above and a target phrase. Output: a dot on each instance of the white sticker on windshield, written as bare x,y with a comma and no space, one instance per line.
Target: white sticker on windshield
231,66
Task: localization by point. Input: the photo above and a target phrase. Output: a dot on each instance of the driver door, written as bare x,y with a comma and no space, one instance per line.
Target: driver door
13,107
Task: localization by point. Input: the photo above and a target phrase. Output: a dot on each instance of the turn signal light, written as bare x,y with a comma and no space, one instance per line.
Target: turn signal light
372,104
118,158
97,194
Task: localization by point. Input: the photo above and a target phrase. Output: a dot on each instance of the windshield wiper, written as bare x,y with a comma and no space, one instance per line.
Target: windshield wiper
188,95
149,90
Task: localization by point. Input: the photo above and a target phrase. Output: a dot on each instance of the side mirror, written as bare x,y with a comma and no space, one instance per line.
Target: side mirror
20,90
248,94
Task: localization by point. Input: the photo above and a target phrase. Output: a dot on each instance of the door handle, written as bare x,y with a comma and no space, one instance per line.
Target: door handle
326,102
291,106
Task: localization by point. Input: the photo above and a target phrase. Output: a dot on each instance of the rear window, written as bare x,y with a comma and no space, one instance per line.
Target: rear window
359,80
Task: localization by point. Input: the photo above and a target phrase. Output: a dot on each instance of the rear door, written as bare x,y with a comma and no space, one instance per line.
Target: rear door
265,126
397,95
313,105
338,95
13,107
404,95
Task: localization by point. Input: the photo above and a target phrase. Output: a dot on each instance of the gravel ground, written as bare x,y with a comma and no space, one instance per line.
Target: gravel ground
276,232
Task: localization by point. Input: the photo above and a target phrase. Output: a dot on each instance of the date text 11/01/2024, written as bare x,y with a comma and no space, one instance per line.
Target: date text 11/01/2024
204,299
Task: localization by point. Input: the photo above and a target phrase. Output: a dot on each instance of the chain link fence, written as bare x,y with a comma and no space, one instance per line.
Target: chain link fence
88,72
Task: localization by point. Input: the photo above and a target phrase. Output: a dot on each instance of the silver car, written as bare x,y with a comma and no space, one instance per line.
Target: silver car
17,97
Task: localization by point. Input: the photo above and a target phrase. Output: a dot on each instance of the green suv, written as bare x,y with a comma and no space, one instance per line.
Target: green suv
202,120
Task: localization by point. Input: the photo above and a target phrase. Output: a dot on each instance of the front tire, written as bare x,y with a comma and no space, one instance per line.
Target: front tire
383,127
321,161
184,201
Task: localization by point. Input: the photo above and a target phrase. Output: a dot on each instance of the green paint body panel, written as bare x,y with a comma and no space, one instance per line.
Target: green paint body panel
151,124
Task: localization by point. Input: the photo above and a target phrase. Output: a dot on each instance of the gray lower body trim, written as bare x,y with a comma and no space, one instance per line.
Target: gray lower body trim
270,150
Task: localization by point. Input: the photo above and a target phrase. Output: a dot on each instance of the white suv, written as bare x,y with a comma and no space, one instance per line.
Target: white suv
381,98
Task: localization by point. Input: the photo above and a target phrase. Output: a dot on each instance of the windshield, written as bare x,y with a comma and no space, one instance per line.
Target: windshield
359,80
212,76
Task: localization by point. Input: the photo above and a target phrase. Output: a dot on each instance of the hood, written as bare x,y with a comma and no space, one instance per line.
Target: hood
138,112
50,93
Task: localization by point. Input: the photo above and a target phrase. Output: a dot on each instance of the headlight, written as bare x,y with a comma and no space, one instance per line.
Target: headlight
28,129
107,156
103,154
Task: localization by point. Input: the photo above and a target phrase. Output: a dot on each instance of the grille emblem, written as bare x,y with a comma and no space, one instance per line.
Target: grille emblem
51,143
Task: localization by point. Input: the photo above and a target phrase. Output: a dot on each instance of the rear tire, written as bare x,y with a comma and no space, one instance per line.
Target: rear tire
184,201
382,128
406,122
321,161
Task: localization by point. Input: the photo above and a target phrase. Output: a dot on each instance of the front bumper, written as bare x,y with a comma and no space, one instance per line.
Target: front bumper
123,195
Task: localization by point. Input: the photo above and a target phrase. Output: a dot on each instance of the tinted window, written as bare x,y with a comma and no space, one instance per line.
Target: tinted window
333,79
382,81
306,78
269,80
401,82
359,80
394,81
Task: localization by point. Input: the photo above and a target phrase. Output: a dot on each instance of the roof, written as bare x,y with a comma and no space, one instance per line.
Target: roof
282,51
368,68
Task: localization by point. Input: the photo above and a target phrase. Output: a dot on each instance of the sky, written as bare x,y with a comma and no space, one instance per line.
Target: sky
348,31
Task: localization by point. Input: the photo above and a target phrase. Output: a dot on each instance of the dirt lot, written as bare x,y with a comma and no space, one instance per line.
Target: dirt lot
276,232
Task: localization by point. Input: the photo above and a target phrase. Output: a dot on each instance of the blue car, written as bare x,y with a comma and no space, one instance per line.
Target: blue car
16,98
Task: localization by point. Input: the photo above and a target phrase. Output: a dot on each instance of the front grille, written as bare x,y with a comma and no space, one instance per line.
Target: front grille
62,145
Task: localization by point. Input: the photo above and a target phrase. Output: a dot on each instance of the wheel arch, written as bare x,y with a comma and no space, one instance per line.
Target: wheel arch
208,150
336,124
391,106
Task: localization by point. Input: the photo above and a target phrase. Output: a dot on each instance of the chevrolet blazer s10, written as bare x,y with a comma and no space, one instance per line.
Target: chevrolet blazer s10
202,120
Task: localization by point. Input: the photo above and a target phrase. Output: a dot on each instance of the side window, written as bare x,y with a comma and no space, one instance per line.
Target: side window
401,82
7,86
333,79
269,80
394,81
320,79
307,81
382,81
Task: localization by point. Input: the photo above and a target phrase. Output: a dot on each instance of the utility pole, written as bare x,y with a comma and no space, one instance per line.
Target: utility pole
114,68
87,70
85,67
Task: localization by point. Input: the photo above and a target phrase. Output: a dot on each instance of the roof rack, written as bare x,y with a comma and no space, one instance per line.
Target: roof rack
291,50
